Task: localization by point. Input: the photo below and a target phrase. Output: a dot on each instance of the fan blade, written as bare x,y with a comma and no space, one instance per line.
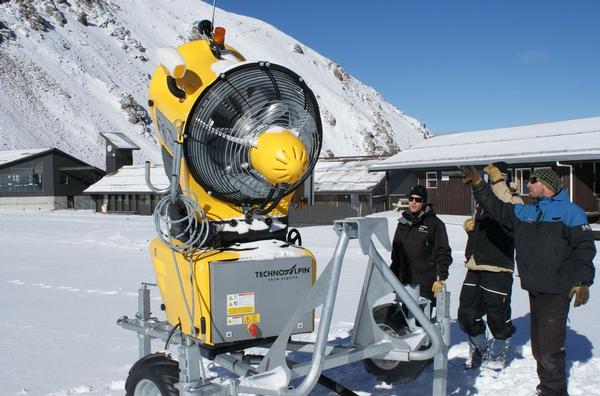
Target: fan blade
242,141
273,112
299,121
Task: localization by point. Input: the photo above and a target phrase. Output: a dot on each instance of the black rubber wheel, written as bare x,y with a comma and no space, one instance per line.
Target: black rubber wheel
153,375
391,321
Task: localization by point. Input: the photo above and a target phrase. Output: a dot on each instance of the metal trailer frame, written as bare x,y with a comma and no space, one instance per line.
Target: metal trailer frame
368,340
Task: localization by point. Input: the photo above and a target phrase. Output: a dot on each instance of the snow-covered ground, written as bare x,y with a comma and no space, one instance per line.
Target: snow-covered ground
65,277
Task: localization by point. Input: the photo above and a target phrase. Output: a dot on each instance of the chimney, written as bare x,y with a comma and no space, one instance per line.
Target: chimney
119,151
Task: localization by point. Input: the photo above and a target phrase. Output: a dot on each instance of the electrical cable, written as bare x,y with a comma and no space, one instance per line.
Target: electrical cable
196,230
171,334
196,233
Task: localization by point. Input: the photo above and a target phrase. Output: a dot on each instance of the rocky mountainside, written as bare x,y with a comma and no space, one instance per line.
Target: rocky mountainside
70,69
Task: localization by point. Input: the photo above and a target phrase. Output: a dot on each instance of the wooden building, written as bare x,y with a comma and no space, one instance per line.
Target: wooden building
571,148
125,191
45,179
347,182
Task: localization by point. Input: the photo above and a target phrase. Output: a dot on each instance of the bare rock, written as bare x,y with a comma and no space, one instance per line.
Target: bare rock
136,114
298,49
5,33
382,139
338,71
83,19
32,16
328,117
52,10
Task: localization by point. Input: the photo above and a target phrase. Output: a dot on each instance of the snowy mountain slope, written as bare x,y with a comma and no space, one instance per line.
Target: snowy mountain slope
69,67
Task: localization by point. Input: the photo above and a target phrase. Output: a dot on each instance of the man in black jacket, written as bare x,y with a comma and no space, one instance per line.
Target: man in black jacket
487,287
420,252
555,251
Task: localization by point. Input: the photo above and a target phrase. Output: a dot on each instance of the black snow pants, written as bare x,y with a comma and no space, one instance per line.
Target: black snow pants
486,293
549,314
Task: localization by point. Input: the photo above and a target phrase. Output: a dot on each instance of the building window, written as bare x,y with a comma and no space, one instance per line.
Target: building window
431,180
22,178
597,178
521,179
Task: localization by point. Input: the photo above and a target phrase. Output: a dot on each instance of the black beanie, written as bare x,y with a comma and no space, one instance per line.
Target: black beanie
418,190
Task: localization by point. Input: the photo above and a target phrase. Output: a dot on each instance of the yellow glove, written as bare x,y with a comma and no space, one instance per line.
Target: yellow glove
581,293
470,175
469,224
494,173
437,287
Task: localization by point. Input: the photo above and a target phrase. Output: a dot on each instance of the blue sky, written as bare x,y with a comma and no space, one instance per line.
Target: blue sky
456,65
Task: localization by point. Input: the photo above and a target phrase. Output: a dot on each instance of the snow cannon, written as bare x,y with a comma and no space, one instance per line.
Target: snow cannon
250,131
238,138
244,136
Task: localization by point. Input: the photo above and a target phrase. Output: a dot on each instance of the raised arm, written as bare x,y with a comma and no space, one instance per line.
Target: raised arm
502,212
499,186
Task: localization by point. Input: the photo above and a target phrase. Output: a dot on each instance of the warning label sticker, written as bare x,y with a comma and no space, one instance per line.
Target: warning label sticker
250,319
240,303
234,320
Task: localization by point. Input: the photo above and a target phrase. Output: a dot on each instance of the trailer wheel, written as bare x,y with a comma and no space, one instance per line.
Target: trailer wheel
391,321
153,375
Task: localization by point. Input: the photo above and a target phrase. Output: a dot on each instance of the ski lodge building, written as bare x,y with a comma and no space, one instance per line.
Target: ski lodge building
347,182
571,148
45,179
125,191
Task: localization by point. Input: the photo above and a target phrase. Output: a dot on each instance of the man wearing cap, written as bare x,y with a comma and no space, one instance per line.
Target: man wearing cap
487,287
554,252
420,252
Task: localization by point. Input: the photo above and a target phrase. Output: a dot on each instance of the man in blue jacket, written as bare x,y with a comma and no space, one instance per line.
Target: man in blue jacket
554,252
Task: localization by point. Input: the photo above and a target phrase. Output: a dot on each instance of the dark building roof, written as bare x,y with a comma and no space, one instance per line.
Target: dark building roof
119,140
12,157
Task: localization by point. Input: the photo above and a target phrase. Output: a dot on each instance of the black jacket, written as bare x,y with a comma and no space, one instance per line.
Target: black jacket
490,243
420,251
554,243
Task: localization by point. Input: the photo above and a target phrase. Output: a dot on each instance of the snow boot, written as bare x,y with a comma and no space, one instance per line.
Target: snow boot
494,360
477,350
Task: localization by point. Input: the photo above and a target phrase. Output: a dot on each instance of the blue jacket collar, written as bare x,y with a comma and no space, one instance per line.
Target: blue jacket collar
561,195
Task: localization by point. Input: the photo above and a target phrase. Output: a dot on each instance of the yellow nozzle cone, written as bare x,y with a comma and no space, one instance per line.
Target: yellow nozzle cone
279,156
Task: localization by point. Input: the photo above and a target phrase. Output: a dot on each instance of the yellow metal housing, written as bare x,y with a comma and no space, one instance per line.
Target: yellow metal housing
166,262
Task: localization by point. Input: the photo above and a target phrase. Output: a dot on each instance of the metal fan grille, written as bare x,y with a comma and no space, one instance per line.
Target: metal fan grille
229,116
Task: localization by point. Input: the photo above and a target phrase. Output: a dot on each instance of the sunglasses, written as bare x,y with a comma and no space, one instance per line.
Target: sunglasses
533,180
416,199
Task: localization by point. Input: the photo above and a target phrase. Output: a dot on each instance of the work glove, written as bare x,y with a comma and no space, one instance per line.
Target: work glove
470,175
581,293
437,287
469,224
494,172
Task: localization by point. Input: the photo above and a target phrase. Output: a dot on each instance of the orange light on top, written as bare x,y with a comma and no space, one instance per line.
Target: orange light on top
219,36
